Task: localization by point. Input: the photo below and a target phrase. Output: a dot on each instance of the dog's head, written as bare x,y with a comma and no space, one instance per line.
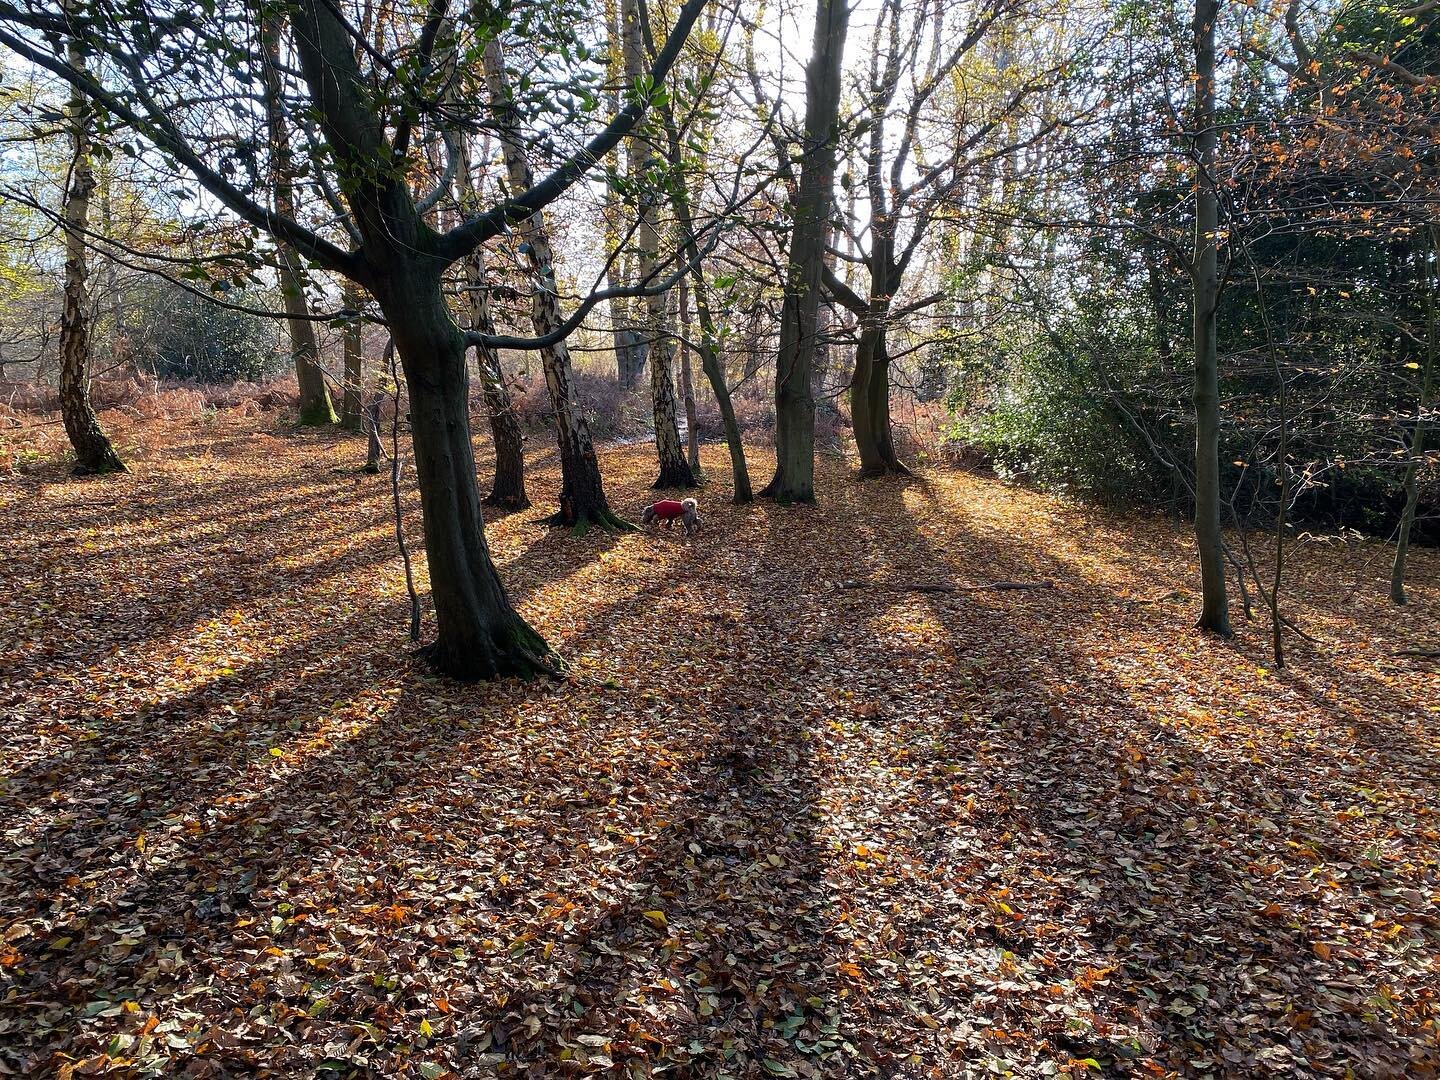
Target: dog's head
691,505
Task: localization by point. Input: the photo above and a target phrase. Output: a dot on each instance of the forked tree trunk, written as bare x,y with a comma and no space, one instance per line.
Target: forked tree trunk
479,634
351,407
794,479
582,495
508,489
674,469
315,405
1205,273
93,452
870,402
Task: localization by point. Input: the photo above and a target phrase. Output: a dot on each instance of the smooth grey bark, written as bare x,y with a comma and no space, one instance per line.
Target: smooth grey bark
794,478
1205,277
93,452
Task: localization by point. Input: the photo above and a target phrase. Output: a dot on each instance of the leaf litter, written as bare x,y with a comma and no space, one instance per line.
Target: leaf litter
773,824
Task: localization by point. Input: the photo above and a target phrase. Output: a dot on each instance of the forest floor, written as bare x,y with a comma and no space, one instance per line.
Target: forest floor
773,824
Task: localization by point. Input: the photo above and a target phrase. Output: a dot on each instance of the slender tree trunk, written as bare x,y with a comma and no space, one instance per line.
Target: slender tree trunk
582,495
508,489
710,362
1418,443
1215,607
794,479
687,383
315,405
351,407
622,334
372,431
644,167
93,452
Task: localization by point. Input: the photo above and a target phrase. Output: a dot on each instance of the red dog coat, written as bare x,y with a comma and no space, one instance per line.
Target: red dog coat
669,509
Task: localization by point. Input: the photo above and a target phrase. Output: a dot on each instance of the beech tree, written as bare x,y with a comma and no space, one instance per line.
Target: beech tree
366,102
794,478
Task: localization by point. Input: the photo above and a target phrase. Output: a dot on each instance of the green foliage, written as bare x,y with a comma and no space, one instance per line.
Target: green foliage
184,336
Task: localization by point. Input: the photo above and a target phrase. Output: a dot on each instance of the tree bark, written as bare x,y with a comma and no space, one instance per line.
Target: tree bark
582,494
1205,273
643,161
794,479
351,407
870,401
508,489
316,407
479,633
93,452
1418,443
687,384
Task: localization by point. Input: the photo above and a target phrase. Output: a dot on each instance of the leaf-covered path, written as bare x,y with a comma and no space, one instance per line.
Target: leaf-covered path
773,824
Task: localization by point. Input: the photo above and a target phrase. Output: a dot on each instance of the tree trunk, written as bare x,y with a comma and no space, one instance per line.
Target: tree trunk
870,403
582,495
372,430
315,405
479,635
621,333
1417,445
794,479
643,162
1215,607
351,407
508,489
687,383
93,452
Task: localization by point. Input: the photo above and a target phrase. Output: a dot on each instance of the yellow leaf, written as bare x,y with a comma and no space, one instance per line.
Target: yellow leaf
657,917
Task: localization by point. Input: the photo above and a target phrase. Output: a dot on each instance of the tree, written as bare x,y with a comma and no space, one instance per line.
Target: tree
582,493
794,478
93,452
644,169
316,407
362,145
1205,285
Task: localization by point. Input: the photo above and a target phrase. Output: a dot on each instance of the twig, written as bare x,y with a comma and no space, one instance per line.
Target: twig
940,587
395,494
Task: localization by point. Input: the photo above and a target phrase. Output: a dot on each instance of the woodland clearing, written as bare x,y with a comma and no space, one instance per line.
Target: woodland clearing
770,824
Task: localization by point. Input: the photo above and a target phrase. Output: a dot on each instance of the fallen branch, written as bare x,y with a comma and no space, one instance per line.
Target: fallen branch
1424,653
940,587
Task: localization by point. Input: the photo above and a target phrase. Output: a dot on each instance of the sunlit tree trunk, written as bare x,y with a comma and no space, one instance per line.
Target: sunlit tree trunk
1205,272
351,408
315,403
582,495
1422,426
644,168
794,479
508,488
687,384
93,452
